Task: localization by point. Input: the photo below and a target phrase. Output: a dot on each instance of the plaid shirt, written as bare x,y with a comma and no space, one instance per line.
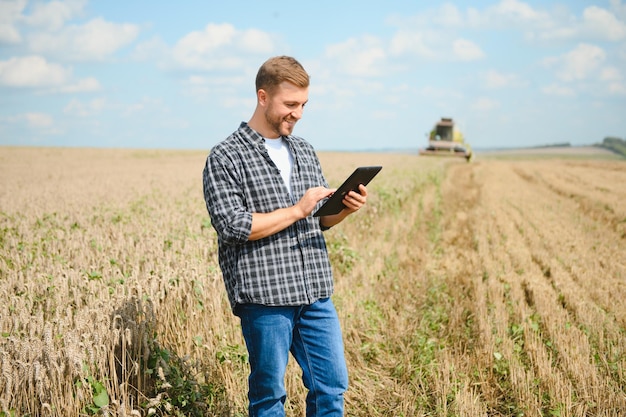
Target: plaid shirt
290,267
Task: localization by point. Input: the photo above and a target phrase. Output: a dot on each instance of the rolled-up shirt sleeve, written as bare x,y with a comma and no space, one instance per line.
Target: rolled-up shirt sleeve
225,201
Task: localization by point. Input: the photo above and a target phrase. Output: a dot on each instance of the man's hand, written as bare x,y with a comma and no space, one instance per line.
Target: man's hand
310,198
353,202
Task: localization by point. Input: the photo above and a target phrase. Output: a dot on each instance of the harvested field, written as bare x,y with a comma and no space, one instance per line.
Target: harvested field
494,288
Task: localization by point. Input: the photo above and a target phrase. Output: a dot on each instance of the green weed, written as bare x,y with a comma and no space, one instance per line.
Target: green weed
180,389
100,398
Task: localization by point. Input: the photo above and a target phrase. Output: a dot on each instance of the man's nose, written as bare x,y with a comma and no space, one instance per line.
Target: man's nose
297,113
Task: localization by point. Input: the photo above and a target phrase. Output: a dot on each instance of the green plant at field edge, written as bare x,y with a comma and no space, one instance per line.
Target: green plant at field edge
180,388
100,400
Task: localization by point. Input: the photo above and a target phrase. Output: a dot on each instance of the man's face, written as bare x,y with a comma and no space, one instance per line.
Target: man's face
284,108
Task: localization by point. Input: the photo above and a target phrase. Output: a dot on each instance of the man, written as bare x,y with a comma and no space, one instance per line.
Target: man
261,185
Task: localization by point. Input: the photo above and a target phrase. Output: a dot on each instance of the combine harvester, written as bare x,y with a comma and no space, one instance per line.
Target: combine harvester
447,140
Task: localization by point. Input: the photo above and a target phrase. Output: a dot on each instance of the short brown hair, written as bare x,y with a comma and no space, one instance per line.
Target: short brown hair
278,69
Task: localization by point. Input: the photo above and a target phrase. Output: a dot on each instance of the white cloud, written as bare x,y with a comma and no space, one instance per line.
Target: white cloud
414,43
434,46
495,79
383,115
610,74
364,56
603,24
485,104
558,90
147,105
434,35
508,14
579,63
32,71
619,8
517,11
9,34
595,23
53,15
152,49
39,119
583,69
613,77
85,85
33,119
436,93
202,88
213,37
237,102
32,123
36,72
617,88
445,16
49,15
448,15
93,41
82,109
217,47
10,12
253,40
466,50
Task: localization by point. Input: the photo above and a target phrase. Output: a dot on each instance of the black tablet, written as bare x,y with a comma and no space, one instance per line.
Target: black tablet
334,203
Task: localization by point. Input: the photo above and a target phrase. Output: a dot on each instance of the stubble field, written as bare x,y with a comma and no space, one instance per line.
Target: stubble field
494,288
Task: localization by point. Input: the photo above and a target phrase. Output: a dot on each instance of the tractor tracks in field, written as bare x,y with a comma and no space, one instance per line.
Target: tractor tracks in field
576,183
535,252
584,237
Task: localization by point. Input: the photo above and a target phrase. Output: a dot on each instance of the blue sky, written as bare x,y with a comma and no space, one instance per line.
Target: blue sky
164,74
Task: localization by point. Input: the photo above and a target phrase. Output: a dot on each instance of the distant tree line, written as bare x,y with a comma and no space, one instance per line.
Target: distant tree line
615,144
553,145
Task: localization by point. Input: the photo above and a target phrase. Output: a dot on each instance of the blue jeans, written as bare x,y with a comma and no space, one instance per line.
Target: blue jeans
313,336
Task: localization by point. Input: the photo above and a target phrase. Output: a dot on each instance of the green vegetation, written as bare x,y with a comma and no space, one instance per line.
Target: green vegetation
614,144
180,389
100,395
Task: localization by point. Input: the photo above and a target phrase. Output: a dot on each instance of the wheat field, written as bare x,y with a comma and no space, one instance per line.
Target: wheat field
494,288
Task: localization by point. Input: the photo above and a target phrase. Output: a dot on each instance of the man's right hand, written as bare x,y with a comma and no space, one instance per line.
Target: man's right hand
311,197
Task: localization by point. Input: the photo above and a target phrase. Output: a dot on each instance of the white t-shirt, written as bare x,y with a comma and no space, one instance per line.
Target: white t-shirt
280,154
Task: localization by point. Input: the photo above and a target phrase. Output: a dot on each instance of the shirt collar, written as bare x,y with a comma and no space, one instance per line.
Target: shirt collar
254,136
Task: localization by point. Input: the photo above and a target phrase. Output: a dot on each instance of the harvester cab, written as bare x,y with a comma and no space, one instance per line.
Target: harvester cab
445,139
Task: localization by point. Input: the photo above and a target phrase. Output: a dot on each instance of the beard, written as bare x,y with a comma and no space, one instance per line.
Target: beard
282,126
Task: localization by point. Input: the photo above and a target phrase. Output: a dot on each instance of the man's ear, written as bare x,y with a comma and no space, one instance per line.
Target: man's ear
261,96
